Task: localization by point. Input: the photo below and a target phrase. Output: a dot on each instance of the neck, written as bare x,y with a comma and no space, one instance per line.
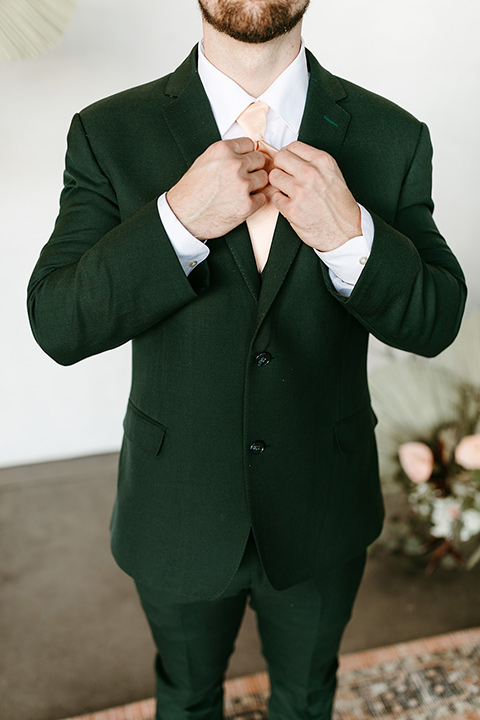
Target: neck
253,66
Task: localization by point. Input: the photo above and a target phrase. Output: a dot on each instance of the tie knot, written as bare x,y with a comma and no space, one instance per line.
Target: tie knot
253,120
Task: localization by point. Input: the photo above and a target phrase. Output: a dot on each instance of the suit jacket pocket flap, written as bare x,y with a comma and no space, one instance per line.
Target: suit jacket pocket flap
143,431
355,429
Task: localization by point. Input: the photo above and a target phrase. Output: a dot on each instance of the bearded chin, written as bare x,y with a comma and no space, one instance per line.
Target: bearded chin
257,25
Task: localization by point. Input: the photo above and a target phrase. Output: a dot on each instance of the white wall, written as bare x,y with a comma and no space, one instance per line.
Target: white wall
422,54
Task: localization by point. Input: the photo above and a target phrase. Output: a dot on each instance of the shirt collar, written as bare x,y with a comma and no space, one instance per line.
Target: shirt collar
286,96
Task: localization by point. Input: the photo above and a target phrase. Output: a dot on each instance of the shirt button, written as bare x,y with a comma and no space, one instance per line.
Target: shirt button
263,358
363,260
193,263
257,447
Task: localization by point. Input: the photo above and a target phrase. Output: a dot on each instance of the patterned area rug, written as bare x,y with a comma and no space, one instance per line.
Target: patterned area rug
433,679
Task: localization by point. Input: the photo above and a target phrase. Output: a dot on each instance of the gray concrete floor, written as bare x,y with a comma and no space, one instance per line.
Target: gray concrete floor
73,636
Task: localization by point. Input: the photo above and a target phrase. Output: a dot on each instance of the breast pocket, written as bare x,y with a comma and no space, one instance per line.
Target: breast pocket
143,431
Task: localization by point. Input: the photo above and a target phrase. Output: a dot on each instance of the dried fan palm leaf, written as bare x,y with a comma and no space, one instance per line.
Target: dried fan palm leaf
31,27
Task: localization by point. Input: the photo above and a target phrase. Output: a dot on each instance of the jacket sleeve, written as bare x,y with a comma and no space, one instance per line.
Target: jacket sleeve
100,281
411,293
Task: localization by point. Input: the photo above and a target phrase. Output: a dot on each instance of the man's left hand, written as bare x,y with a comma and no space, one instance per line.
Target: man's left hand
311,193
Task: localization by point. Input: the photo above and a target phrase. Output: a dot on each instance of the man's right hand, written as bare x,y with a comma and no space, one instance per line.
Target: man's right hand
221,189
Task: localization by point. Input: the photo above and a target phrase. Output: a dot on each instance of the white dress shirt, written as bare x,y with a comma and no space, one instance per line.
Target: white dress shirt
286,98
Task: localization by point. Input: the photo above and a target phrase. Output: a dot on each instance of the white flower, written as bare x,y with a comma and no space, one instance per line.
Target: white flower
445,512
471,524
461,490
423,490
421,499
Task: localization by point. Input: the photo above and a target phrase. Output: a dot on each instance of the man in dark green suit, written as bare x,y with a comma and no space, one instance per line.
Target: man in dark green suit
248,467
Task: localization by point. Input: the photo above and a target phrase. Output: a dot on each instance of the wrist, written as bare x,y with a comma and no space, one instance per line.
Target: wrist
182,216
324,245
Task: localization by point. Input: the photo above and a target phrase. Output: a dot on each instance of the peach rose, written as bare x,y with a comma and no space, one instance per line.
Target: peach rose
417,461
467,453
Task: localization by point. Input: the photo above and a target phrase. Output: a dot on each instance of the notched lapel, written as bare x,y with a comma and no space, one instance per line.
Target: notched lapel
189,116
285,245
324,126
325,122
193,127
240,245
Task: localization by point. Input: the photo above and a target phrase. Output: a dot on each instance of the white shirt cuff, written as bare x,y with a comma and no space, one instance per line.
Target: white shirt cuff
189,250
345,263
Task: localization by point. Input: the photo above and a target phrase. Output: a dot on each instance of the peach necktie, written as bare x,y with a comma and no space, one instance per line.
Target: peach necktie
261,225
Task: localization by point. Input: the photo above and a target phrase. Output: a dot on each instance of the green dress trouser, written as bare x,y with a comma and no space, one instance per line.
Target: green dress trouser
300,630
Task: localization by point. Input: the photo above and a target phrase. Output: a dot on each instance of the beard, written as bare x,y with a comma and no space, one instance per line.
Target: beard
254,21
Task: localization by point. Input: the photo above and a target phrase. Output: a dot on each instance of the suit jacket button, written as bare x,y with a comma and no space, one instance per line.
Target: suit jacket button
263,358
257,447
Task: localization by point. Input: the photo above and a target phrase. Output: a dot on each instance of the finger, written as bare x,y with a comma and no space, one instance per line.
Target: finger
282,181
268,191
306,152
258,180
320,159
254,161
281,202
289,162
258,201
241,145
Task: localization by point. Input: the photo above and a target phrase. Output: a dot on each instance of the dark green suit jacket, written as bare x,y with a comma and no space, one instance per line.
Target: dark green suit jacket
190,486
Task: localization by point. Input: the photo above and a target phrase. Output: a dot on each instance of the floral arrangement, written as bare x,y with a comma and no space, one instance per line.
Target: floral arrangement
442,481
429,446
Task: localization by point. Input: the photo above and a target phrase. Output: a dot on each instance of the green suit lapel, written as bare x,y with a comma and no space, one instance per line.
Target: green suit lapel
192,124
324,125
189,115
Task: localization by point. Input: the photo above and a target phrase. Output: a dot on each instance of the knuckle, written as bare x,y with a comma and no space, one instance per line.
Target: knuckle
249,205
277,198
260,158
235,165
244,186
275,175
240,145
219,150
326,160
245,194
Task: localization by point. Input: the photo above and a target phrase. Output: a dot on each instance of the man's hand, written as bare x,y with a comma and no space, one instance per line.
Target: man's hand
221,189
313,196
